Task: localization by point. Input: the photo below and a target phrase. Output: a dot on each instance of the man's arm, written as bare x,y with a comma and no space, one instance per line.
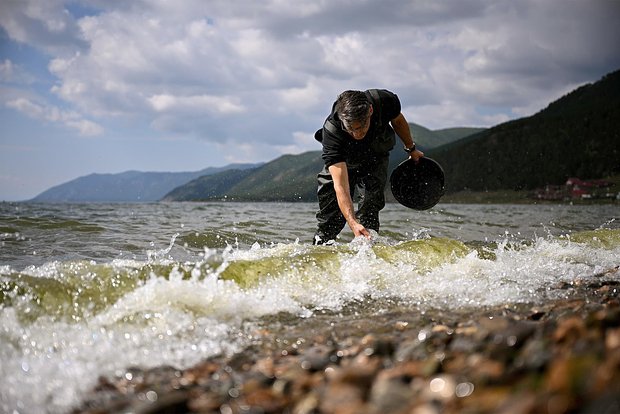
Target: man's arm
340,177
401,127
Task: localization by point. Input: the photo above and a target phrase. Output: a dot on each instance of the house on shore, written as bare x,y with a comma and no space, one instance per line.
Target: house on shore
577,189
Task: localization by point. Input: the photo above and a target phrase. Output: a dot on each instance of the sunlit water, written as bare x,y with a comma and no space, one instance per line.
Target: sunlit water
90,290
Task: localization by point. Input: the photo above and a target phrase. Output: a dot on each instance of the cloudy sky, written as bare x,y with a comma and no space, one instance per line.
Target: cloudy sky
156,85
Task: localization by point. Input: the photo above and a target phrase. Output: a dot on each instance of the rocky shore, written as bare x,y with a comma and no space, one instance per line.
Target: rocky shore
560,357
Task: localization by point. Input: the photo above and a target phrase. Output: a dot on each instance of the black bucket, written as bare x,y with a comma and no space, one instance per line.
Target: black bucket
418,185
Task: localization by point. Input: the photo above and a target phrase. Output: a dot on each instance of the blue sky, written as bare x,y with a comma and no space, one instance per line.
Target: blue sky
109,85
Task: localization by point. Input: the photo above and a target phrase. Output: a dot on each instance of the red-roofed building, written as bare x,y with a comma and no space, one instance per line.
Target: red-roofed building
577,188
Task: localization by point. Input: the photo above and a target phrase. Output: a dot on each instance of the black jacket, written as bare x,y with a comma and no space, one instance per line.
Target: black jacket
339,146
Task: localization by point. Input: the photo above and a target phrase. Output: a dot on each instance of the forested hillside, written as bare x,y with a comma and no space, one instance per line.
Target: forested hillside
577,135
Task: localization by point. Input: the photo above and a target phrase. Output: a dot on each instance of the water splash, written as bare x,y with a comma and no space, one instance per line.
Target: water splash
154,255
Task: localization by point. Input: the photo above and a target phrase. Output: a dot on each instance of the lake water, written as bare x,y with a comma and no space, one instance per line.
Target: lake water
92,289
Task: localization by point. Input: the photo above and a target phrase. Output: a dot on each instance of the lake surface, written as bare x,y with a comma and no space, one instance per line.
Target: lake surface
93,289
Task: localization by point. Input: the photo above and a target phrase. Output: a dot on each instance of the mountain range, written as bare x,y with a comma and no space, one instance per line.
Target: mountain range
576,135
129,186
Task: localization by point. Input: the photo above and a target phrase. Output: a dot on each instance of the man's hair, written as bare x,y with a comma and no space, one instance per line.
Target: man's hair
352,106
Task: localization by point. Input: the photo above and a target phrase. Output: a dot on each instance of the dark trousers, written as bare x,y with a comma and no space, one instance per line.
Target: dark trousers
369,180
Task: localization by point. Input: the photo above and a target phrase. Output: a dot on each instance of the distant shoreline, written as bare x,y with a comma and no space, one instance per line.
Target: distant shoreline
514,197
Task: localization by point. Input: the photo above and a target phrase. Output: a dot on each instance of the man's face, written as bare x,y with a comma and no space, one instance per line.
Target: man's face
358,129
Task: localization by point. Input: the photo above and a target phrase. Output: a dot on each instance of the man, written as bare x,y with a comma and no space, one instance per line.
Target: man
357,138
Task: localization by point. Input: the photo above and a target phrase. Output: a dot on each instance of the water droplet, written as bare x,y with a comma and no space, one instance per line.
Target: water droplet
422,335
437,384
464,389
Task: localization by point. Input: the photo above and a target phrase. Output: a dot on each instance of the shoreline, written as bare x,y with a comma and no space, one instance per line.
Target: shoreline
517,197
563,356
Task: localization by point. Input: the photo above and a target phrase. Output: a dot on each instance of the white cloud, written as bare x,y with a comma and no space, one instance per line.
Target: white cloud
12,73
345,53
7,70
44,24
53,114
305,97
197,103
85,127
450,114
222,71
300,142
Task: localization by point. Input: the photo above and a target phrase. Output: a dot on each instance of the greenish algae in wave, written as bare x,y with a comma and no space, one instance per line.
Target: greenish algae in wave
33,297
71,290
425,254
318,259
600,238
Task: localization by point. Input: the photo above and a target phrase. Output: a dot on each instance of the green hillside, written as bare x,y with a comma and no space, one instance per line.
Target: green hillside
207,187
449,135
287,178
428,139
577,135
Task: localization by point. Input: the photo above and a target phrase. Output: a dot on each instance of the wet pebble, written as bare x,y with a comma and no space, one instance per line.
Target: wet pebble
318,358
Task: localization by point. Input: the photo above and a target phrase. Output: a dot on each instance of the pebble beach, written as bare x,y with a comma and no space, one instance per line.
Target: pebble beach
560,357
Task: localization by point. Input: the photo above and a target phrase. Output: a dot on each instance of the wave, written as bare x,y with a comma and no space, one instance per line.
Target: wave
72,290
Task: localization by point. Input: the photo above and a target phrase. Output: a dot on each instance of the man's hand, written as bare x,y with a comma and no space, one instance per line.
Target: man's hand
416,155
359,230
